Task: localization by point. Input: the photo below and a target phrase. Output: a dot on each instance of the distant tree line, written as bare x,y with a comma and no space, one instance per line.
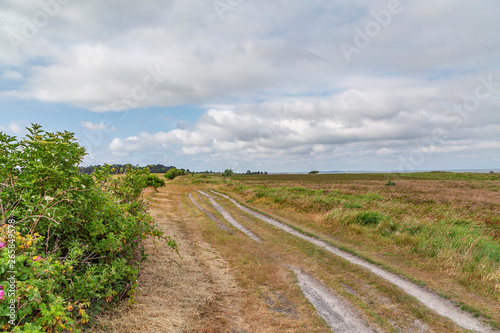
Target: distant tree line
121,168
256,172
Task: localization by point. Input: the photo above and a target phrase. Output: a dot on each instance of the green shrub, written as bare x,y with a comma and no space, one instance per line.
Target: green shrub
172,173
368,218
227,173
154,181
67,240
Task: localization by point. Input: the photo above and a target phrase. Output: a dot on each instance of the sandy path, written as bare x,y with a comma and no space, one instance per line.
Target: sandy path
230,218
441,306
210,215
338,314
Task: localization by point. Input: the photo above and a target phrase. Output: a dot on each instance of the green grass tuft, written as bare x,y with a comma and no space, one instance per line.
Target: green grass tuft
368,218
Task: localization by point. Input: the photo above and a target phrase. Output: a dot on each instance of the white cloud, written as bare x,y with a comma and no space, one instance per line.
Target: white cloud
102,126
91,59
11,75
14,128
386,151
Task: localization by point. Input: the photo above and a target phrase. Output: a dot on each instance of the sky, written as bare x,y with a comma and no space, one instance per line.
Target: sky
277,86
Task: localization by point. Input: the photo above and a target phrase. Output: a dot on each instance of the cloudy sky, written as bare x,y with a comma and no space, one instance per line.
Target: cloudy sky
262,85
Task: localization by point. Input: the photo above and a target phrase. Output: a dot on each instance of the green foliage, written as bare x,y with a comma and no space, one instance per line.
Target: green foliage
390,183
368,218
75,235
352,205
308,199
227,173
313,172
172,173
461,236
155,181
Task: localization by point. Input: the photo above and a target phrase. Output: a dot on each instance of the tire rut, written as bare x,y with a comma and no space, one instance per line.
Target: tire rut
337,313
230,218
210,215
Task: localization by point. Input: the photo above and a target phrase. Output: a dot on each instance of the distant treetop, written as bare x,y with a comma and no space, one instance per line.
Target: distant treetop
121,168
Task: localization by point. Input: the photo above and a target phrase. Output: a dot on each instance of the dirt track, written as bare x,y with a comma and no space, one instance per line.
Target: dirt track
230,218
336,312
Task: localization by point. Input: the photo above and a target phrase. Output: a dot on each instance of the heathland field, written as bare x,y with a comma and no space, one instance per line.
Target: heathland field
439,229
443,223
318,253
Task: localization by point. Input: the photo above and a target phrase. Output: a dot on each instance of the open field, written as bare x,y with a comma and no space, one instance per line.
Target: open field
438,229
440,232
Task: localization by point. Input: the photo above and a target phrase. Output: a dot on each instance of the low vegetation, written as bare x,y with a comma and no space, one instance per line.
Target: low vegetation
154,181
227,173
172,173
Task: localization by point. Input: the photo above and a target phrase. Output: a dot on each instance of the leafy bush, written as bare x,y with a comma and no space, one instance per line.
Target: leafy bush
390,183
67,239
313,172
172,173
154,181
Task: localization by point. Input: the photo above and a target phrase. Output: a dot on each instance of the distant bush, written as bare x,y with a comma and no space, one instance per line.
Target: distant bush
313,172
172,173
155,181
227,173
390,183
